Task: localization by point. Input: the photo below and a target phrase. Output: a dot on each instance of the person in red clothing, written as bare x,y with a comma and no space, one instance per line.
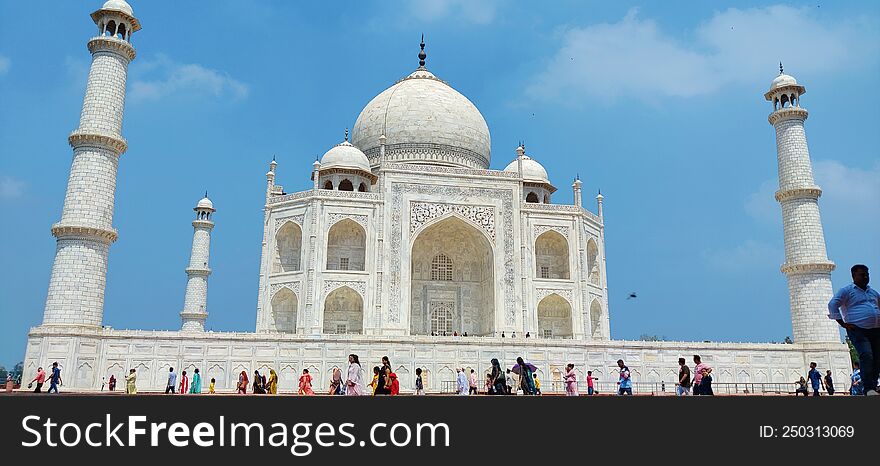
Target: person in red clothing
395,384
40,379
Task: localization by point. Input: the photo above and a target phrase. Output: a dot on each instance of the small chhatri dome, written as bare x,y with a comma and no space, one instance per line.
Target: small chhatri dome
783,80
205,203
118,5
345,155
532,171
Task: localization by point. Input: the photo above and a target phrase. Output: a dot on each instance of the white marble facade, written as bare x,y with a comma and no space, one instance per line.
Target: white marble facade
406,237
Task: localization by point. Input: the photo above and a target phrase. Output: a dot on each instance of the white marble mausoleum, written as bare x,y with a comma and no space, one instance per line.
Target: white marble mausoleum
405,239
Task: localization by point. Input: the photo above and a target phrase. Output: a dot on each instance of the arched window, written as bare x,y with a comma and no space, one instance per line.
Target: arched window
288,247
441,268
554,317
551,256
784,100
284,305
120,33
533,198
593,262
345,185
362,188
111,28
546,198
328,185
343,312
346,246
596,320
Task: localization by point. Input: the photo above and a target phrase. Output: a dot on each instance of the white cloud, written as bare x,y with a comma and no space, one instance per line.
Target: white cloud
163,77
634,57
471,11
5,64
10,188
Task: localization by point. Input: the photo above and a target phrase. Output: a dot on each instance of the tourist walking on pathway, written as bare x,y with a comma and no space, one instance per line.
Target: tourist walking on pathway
335,382
54,378
526,379
196,387
211,387
354,384
383,384
111,384
373,383
625,381
499,381
508,379
815,379
40,379
488,384
706,382
683,387
462,380
856,307
591,390
184,384
394,389
130,382
258,383
9,383
243,382
305,383
570,379
801,387
855,380
699,366
537,384
172,381
472,383
272,383
420,386
829,383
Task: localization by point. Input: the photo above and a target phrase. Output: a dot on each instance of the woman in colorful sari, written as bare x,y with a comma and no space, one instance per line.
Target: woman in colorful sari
335,382
354,384
196,387
272,383
570,378
305,384
130,379
242,383
184,384
526,379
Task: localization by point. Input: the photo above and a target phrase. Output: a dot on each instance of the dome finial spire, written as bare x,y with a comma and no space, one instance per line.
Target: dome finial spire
422,54
346,134
780,68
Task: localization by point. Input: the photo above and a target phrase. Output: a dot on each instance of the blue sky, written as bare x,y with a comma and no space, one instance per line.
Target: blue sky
659,104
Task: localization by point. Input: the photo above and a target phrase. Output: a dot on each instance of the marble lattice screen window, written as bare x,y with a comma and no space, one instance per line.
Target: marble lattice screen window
341,329
441,317
548,333
545,271
441,268
343,263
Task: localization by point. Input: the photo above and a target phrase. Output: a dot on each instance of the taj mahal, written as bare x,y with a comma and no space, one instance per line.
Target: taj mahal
406,245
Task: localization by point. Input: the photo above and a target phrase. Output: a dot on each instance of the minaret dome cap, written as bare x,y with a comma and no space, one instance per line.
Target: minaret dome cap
205,203
118,5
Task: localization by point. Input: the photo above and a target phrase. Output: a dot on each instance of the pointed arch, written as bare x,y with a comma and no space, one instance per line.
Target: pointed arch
532,198
346,185
346,246
451,258
328,185
362,188
554,317
343,312
288,248
593,268
551,255
284,311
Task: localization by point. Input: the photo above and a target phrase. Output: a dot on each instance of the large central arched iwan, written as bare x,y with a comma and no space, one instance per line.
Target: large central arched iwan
453,287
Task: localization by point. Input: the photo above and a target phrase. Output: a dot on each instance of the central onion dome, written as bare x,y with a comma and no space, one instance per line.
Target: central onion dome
424,120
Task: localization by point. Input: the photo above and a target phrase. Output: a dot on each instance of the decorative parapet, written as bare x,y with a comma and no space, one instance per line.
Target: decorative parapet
105,141
423,212
203,224
565,208
112,44
84,232
193,271
811,267
414,168
788,113
325,194
428,152
798,193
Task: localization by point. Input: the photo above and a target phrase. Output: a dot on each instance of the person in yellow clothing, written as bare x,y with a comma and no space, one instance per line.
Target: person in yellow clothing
211,387
537,385
130,387
272,383
375,381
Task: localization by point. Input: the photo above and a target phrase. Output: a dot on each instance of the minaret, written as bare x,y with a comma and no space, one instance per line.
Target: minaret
85,232
599,199
576,187
195,302
806,262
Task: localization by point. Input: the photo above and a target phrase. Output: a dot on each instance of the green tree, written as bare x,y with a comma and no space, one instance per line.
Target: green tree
17,371
646,337
3,374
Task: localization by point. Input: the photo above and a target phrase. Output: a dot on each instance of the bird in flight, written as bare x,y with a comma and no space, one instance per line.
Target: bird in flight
632,295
